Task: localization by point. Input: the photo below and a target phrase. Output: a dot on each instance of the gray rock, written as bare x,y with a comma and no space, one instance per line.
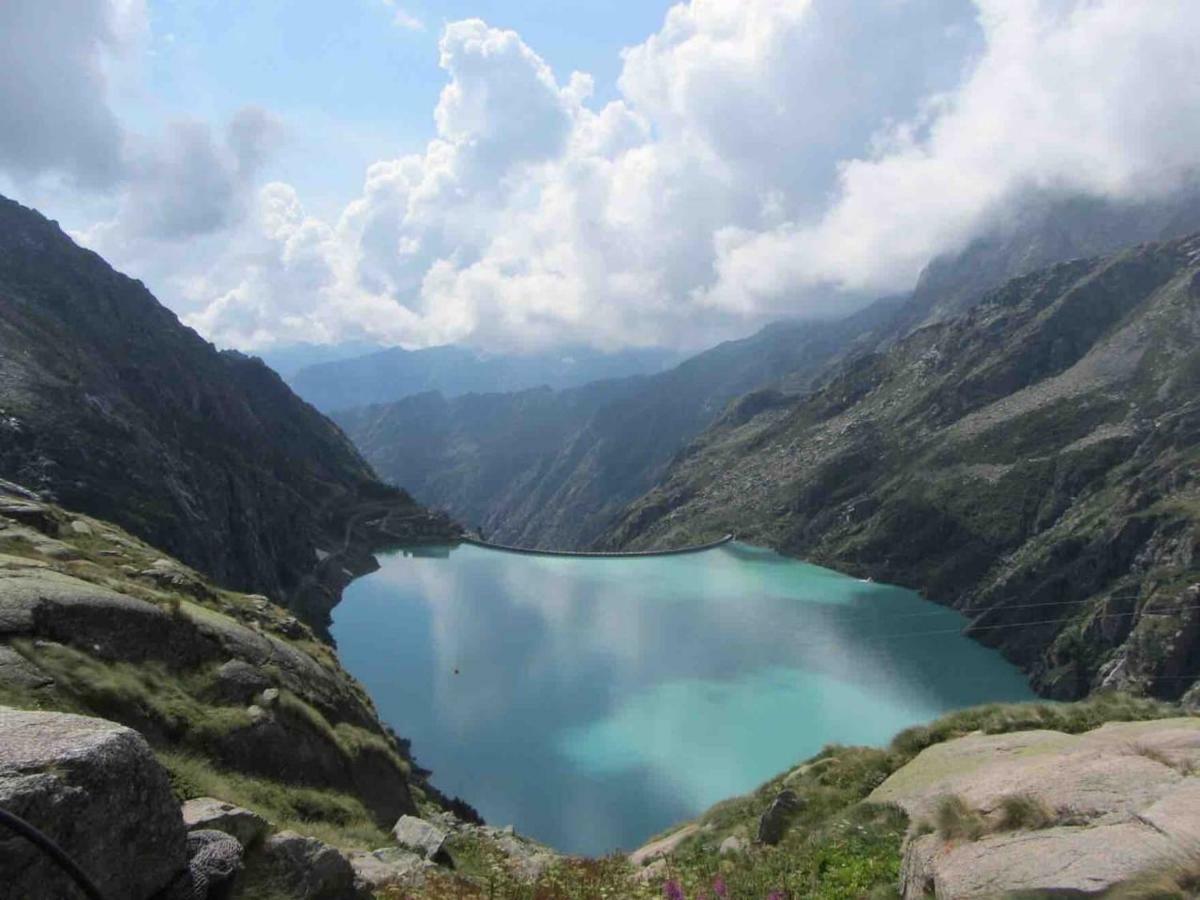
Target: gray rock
733,845
526,859
97,790
1123,797
653,871
663,846
208,813
46,605
18,672
386,867
239,682
773,824
307,869
419,836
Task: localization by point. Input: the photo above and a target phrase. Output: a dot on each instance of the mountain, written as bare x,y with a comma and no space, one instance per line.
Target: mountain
551,468
1038,231
396,373
1034,462
288,359
110,406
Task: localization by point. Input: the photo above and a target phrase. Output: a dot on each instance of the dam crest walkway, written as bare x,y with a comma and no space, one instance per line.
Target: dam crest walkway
598,554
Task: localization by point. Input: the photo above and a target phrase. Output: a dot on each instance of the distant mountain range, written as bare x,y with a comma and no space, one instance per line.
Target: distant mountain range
395,373
288,359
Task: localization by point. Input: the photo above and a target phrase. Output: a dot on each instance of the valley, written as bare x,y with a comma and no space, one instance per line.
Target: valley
1020,450
606,450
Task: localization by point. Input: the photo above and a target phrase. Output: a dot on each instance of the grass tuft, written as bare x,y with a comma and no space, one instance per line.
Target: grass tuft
331,816
1023,812
956,821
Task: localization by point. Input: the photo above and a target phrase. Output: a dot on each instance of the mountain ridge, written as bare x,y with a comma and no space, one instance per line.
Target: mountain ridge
112,407
1032,461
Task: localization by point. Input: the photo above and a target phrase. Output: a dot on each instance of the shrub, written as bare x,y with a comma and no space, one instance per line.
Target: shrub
955,820
1023,812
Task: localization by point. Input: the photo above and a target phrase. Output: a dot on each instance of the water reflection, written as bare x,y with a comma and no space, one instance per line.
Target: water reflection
594,702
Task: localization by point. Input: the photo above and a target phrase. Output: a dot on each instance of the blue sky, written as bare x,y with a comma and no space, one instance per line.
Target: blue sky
413,173
352,84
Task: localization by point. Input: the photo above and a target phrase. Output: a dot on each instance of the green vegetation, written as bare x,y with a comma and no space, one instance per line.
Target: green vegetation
956,821
840,845
1021,812
333,817
162,702
1002,718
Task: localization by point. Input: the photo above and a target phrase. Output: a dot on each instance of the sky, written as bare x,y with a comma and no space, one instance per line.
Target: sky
518,174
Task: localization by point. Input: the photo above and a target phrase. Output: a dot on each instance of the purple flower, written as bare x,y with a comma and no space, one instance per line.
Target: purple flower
776,895
672,891
719,888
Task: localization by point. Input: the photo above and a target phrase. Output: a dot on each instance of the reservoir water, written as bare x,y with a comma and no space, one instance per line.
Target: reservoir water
593,702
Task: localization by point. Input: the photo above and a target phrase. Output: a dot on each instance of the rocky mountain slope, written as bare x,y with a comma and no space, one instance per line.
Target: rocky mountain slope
1034,462
551,469
112,407
554,469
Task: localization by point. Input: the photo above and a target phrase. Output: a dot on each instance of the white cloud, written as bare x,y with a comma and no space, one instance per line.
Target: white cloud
1095,97
402,18
764,157
54,86
534,217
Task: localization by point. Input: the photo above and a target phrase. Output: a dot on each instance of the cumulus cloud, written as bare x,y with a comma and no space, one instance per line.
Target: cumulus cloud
191,181
763,158
534,217
402,18
56,56
1088,97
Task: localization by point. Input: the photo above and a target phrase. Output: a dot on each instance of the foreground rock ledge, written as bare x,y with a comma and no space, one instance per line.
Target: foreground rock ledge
1116,801
97,790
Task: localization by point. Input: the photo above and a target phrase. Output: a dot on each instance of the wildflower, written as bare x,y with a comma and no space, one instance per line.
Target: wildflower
776,895
719,888
672,891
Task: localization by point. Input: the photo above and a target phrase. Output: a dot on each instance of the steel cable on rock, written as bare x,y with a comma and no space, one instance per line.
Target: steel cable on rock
48,846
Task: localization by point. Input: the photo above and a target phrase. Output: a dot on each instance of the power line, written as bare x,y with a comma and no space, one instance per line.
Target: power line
896,636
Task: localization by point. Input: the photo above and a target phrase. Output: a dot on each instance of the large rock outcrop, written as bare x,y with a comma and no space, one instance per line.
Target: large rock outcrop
95,788
1052,812
91,618
112,407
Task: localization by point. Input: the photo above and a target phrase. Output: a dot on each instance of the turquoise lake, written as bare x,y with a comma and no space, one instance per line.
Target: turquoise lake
593,702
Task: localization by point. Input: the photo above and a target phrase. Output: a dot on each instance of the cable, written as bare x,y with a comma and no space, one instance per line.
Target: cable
978,612
969,629
51,849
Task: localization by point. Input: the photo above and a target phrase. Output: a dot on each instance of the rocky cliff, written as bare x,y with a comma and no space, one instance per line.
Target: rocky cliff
1034,462
112,407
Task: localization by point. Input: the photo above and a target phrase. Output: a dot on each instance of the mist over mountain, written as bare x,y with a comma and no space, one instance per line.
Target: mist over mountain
548,469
